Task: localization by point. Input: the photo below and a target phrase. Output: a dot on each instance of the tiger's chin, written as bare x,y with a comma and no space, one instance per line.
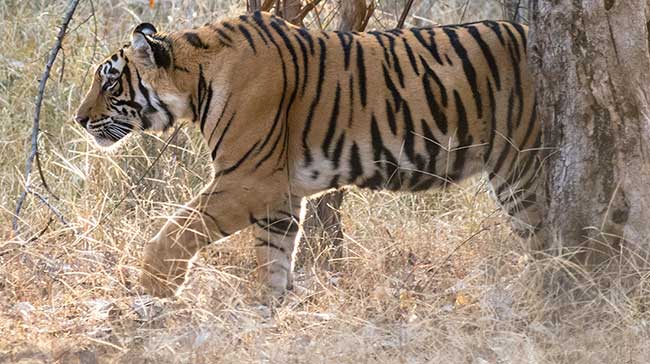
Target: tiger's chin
109,145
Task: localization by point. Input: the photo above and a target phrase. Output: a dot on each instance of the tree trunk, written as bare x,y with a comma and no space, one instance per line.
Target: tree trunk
253,5
592,63
511,9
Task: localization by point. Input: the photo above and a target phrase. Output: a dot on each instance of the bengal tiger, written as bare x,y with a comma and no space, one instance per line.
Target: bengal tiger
288,112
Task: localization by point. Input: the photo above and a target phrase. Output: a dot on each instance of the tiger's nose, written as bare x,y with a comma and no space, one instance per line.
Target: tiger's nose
82,120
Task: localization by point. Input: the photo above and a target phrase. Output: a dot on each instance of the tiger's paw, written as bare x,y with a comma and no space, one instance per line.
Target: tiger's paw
158,285
161,275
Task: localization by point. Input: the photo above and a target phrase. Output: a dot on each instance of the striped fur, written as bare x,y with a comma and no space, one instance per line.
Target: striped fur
288,112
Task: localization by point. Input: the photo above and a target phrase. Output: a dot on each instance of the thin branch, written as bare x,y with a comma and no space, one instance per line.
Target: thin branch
369,11
405,12
304,11
54,210
462,15
267,5
40,173
72,6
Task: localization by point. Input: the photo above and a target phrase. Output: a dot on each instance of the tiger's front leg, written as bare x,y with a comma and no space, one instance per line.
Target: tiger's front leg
224,207
166,256
220,209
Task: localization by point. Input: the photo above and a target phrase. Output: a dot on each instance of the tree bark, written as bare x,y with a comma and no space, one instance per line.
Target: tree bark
253,5
592,63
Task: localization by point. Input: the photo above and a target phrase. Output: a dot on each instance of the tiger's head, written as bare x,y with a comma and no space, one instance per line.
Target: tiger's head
132,89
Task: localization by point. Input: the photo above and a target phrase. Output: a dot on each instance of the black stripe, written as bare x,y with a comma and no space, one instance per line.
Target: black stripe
396,65
168,113
378,38
522,34
515,59
392,123
160,53
334,116
305,65
283,224
493,122
221,138
397,98
314,103
432,47
523,204
261,242
437,114
336,157
409,53
465,139
129,80
470,73
382,155
494,26
248,37
506,145
305,34
409,131
487,53
223,111
432,146
146,123
194,40
224,35
346,43
351,93
244,18
334,182
237,164
375,136
206,106
216,224
356,168
361,69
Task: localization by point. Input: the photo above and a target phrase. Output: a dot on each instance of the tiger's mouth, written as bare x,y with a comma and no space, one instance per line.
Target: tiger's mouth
108,131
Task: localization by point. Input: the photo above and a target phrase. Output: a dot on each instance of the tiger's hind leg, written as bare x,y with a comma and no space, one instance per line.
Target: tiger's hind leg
521,192
277,234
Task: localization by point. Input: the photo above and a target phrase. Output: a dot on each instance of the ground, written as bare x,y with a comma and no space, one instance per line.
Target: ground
425,278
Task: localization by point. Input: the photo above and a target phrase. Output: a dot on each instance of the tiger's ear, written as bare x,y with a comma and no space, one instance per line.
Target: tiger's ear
152,52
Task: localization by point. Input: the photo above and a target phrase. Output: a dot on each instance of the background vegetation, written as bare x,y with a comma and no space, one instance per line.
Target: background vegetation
431,277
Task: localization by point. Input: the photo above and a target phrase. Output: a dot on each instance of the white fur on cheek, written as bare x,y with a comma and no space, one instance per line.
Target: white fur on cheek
176,104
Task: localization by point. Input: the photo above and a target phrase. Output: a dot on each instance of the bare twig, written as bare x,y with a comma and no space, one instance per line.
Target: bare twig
252,5
40,173
267,5
95,41
72,6
304,11
54,210
369,11
462,15
405,12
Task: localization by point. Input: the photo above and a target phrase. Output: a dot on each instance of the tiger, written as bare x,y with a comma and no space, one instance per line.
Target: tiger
288,112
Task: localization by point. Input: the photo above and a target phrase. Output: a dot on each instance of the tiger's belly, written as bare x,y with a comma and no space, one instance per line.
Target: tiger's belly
390,166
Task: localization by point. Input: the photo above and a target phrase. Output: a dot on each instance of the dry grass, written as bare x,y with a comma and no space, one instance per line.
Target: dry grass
398,296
